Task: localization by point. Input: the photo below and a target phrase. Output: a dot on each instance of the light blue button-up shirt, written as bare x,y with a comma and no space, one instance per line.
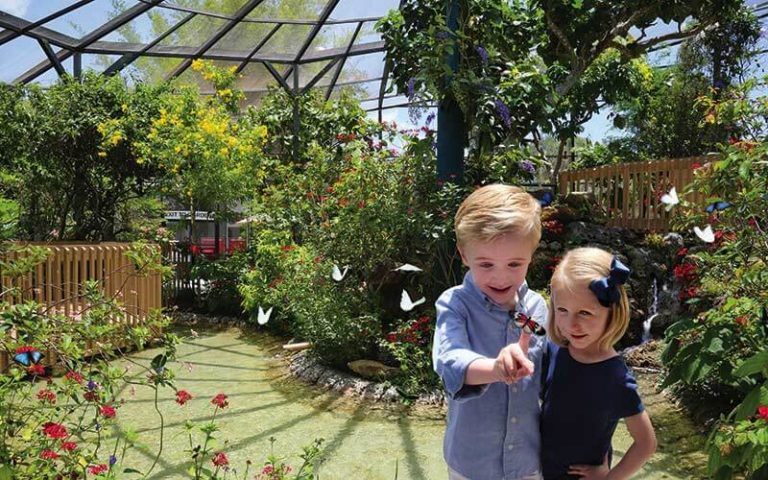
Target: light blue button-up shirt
493,430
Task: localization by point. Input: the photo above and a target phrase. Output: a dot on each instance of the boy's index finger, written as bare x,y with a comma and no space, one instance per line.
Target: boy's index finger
525,339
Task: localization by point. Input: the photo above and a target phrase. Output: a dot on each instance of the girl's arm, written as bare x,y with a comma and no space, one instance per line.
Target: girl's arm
642,448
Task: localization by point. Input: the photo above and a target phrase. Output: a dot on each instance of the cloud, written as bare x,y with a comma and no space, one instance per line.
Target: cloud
15,7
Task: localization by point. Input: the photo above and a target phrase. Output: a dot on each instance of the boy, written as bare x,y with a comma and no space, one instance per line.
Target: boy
479,353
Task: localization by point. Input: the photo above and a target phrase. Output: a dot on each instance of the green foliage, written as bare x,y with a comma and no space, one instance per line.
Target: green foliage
65,185
410,344
722,346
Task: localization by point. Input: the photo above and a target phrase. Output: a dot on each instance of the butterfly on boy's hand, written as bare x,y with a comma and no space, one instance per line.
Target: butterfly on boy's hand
526,323
406,304
28,358
263,317
546,199
720,205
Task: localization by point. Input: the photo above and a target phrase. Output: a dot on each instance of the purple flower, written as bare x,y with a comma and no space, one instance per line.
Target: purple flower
411,89
112,460
527,166
92,385
430,118
503,111
483,53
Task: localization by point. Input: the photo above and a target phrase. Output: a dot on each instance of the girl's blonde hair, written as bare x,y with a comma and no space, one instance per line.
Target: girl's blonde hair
579,267
495,210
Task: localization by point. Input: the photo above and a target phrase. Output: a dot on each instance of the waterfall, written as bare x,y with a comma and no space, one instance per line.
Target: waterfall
652,313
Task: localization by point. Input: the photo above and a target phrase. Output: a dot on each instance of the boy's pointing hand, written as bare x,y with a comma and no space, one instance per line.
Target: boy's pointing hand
512,363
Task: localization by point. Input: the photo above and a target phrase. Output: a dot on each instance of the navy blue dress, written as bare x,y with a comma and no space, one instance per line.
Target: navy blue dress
582,406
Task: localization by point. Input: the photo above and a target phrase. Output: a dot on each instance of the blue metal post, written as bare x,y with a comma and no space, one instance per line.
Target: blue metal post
451,132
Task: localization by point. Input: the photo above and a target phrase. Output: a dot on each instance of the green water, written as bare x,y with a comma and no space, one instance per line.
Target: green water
362,441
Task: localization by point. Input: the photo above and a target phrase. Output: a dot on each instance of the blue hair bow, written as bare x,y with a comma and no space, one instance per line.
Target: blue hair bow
606,289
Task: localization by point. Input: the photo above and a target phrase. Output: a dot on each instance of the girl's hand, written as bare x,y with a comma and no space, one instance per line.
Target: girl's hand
591,472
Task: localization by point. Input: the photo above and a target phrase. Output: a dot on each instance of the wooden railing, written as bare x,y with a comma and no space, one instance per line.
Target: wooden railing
56,284
630,192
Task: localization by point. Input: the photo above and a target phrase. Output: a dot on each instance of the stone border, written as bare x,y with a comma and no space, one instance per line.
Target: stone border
307,369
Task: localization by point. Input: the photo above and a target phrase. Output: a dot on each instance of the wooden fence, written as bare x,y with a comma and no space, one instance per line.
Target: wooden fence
630,192
56,283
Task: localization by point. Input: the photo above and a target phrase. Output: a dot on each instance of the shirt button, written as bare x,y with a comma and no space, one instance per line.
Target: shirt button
514,389
510,447
513,420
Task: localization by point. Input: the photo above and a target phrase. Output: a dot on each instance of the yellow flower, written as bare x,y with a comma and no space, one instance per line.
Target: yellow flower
224,151
710,118
225,93
102,154
140,161
197,65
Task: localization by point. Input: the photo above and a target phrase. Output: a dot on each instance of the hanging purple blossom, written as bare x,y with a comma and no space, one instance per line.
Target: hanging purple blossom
503,111
411,88
430,118
483,53
527,165
112,459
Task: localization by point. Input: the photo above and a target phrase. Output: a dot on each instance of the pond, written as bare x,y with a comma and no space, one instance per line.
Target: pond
361,440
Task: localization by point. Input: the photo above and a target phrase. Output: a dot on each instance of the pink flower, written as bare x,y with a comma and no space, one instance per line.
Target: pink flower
74,377
220,459
46,395
69,446
762,412
98,469
49,455
55,430
220,400
107,411
182,397
36,369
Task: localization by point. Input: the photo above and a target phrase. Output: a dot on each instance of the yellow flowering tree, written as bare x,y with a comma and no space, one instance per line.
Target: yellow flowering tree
209,157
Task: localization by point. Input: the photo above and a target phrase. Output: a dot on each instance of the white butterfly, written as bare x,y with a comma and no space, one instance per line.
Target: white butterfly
407,304
264,316
705,235
337,274
670,199
407,268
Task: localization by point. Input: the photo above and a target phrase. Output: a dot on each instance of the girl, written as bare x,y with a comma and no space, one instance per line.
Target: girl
588,388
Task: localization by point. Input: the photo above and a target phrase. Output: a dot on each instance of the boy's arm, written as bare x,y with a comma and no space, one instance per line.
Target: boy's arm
509,366
642,448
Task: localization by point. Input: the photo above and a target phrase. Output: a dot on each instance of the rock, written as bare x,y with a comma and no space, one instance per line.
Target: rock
372,369
562,213
674,240
581,201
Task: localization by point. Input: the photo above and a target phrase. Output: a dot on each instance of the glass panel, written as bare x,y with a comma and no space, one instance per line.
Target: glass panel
288,10
363,67
256,78
287,41
51,76
245,36
347,9
18,56
86,19
146,27
35,10
228,7
332,36
150,69
194,33
308,71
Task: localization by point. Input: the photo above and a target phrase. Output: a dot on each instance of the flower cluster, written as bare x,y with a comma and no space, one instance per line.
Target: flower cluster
685,272
419,331
553,227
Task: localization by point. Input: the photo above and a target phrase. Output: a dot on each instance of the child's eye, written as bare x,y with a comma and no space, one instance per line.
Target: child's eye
515,265
585,313
486,265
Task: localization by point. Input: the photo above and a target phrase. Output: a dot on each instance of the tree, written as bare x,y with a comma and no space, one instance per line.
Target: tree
539,66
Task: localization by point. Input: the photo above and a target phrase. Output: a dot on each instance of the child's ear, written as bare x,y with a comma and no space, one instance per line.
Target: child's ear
463,258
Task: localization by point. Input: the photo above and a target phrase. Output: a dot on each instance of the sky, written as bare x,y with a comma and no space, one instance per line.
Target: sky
19,55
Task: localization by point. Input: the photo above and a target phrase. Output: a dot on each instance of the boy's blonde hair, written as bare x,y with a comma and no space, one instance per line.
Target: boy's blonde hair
495,210
579,267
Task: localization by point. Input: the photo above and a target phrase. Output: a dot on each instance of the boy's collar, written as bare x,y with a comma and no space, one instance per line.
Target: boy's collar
469,284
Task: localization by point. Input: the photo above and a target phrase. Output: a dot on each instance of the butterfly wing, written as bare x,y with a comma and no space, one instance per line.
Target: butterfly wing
705,235
546,199
722,205
263,317
23,358
337,274
406,304
408,268
36,356
670,199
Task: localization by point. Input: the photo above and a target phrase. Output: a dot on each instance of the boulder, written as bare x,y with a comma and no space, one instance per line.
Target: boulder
372,369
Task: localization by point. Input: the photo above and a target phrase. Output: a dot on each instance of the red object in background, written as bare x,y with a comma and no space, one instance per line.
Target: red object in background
207,244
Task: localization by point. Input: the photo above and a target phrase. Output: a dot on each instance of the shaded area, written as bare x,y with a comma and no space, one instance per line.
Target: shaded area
362,440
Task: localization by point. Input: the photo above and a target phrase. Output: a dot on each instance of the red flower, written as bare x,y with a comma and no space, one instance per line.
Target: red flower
391,338
343,202
25,349
74,377
287,248
91,396
69,446
194,249
55,430
220,400
268,469
318,259
762,412
361,204
682,252
107,411
695,165
690,292
49,455
46,395
182,397
220,459
311,195
329,189
741,320
98,469
36,369
555,227
685,271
